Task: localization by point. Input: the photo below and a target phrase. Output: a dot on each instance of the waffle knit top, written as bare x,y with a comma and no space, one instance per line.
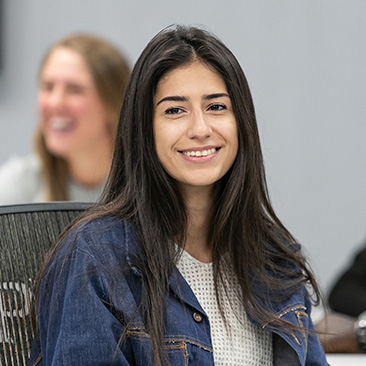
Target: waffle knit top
241,343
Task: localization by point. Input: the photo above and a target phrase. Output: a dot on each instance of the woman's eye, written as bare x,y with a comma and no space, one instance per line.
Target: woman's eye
217,107
47,87
174,110
75,89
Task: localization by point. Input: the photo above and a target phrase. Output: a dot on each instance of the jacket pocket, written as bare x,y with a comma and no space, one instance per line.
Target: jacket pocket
175,349
177,353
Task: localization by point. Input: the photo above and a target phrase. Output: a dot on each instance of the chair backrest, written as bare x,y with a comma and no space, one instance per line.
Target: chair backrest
26,233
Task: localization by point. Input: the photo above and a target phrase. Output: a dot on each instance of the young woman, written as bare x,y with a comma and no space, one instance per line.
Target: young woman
81,80
183,262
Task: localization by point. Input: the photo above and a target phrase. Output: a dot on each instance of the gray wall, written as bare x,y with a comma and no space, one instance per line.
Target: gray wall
305,61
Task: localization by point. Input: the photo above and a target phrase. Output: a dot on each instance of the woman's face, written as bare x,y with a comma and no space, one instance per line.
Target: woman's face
73,117
195,129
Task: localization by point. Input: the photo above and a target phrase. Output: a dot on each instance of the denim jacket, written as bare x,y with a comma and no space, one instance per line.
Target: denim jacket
80,320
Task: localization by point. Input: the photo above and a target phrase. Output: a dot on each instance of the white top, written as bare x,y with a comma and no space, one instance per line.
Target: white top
21,181
242,343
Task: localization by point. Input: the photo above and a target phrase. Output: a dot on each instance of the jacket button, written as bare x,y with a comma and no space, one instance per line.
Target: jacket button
197,317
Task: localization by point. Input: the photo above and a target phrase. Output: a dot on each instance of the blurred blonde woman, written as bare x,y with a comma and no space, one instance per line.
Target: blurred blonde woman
82,79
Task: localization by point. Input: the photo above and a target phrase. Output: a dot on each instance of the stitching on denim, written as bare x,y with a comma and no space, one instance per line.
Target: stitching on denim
291,308
186,340
179,347
138,328
37,359
139,332
174,346
184,346
303,313
298,315
295,338
295,309
286,311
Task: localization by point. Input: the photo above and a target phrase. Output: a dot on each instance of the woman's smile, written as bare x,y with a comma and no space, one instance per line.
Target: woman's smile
61,124
204,152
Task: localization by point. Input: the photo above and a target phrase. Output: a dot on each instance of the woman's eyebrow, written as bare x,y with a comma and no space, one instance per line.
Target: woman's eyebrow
174,98
216,95
177,98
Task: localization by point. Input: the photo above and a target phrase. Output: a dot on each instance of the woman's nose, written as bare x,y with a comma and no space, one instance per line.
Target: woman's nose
56,98
199,127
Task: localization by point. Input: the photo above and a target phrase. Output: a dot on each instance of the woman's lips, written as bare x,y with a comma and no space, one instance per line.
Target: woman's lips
199,153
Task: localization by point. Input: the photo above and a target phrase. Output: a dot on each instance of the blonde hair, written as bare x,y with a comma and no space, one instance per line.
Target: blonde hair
110,74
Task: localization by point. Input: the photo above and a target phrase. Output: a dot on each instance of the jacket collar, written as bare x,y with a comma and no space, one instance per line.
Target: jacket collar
180,288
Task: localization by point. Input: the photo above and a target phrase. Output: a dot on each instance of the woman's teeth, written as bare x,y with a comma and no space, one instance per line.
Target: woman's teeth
199,153
58,123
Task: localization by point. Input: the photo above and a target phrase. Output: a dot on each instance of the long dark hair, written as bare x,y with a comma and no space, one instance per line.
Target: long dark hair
244,228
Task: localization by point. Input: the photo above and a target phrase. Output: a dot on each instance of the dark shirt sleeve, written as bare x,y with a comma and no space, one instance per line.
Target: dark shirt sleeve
348,295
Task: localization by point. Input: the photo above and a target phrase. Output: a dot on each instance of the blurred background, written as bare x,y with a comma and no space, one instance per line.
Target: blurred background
305,61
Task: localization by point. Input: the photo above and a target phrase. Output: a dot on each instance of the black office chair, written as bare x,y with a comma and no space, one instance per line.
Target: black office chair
26,233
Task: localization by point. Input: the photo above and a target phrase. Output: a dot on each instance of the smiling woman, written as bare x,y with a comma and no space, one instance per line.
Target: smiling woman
183,261
81,84
73,117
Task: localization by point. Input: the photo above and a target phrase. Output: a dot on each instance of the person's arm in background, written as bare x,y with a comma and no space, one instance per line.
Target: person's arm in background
347,299
348,295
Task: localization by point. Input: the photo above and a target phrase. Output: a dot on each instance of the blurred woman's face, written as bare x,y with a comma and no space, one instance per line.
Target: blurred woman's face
73,117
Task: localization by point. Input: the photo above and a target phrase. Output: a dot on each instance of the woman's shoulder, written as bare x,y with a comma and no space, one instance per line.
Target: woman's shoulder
103,236
104,228
21,164
21,180
97,244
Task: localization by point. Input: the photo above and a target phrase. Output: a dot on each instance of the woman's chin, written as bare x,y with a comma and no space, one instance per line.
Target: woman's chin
59,150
